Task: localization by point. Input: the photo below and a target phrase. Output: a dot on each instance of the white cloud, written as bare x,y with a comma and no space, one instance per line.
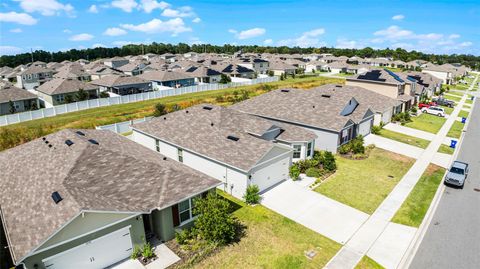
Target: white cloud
16,30
307,39
268,41
68,31
81,37
10,50
195,41
150,5
398,17
123,43
343,43
247,34
46,7
98,45
466,44
174,26
454,36
20,18
197,20
93,9
394,33
181,12
125,5
114,31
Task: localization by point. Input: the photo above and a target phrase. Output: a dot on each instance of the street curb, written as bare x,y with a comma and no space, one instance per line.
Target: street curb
422,230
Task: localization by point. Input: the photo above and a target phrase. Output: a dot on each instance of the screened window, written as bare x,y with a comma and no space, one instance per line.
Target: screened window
157,145
180,155
297,149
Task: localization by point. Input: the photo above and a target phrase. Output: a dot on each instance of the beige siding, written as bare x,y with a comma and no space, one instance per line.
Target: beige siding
383,89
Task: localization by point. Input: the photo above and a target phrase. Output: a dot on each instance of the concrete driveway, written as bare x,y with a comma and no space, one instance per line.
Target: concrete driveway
314,211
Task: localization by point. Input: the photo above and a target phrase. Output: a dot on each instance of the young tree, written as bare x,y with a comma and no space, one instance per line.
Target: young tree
214,222
329,163
160,110
251,195
225,79
81,95
12,107
68,99
103,95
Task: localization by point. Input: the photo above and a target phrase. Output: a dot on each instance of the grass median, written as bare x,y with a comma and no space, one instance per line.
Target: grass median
456,129
445,149
411,140
271,241
368,263
364,184
17,134
426,122
416,205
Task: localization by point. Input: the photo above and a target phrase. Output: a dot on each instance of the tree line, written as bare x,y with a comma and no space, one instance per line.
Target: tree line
180,48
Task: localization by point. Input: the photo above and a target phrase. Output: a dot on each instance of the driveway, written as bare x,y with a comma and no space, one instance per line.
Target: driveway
314,211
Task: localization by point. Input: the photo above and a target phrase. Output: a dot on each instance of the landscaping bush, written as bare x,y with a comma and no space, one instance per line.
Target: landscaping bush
402,117
147,251
314,172
160,110
224,79
303,165
357,145
214,223
414,110
376,129
345,148
183,236
294,172
251,195
329,163
136,252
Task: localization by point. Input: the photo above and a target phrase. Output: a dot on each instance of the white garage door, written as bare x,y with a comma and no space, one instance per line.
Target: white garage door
364,128
95,254
271,174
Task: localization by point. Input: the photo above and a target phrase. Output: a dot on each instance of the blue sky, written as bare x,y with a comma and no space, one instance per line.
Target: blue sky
428,26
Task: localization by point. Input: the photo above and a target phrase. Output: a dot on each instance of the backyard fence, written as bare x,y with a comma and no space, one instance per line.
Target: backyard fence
100,102
122,127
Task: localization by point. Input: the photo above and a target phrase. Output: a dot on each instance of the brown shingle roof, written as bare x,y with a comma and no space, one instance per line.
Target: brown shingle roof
9,93
61,85
165,75
114,80
116,175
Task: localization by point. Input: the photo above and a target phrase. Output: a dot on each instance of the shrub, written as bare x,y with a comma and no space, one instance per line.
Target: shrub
183,236
314,172
251,195
214,223
357,145
414,109
103,95
147,251
225,79
376,129
345,148
294,172
303,165
329,162
220,99
137,252
160,110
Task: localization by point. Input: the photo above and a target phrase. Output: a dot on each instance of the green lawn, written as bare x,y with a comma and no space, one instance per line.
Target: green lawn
456,93
271,241
427,122
453,98
368,263
415,207
364,184
469,101
344,75
445,149
463,114
456,129
447,109
460,87
411,140
16,134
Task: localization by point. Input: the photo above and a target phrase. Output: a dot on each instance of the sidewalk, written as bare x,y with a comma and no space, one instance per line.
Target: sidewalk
409,131
367,236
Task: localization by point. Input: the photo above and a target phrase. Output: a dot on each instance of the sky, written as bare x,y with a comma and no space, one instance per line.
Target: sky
440,26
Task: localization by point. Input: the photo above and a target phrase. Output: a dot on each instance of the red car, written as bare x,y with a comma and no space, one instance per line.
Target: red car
422,105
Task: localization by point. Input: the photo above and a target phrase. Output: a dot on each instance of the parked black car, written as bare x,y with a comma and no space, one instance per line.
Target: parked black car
443,102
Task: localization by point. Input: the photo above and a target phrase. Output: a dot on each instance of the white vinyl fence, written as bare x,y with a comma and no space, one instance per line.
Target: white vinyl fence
122,127
77,106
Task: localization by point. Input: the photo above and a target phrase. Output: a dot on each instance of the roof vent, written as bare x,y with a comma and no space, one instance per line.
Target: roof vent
69,142
233,138
46,142
207,107
284,90
186,111
56,197
50,146
164,118
80,133
313,106
93,141
44,138
338,86
211,124
326,95
164,158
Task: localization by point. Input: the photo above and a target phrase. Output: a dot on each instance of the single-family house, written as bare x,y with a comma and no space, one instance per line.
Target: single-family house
170,79
123,85
101,71
86,198
115,62
234,70
60,90
203,74
280,68
33,76
14,100
132,69
236,148
260,66
335,116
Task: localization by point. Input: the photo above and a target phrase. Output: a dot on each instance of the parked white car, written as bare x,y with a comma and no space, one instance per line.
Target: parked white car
434,110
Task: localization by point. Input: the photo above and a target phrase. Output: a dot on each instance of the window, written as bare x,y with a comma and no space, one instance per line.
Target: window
185,209
157,145
297,149
180,155
309,149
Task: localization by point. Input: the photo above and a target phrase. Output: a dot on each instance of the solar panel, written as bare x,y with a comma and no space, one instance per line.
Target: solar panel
395,76
69,142
93,141
80,133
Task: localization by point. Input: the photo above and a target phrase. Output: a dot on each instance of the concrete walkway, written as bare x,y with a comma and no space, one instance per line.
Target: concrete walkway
393,146
367,236
314,211
409,131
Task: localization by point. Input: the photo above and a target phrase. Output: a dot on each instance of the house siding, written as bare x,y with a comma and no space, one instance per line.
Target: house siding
383,89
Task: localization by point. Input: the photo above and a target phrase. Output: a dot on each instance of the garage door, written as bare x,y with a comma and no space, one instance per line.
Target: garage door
364,128
271,174
95,254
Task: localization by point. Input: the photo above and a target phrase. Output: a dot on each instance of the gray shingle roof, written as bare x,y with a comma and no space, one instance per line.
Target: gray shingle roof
313,107
165,75
9,93
116,175
377,76
194,131
61,85
115,80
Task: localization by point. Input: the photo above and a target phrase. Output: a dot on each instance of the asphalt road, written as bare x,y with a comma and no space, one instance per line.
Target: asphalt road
453,237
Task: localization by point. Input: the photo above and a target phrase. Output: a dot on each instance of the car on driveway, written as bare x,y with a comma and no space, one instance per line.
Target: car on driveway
434,110
457,174
426,105
444,102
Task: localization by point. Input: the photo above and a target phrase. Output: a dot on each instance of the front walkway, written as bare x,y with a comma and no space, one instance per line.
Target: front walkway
369,235
314,211
393,146
165,258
